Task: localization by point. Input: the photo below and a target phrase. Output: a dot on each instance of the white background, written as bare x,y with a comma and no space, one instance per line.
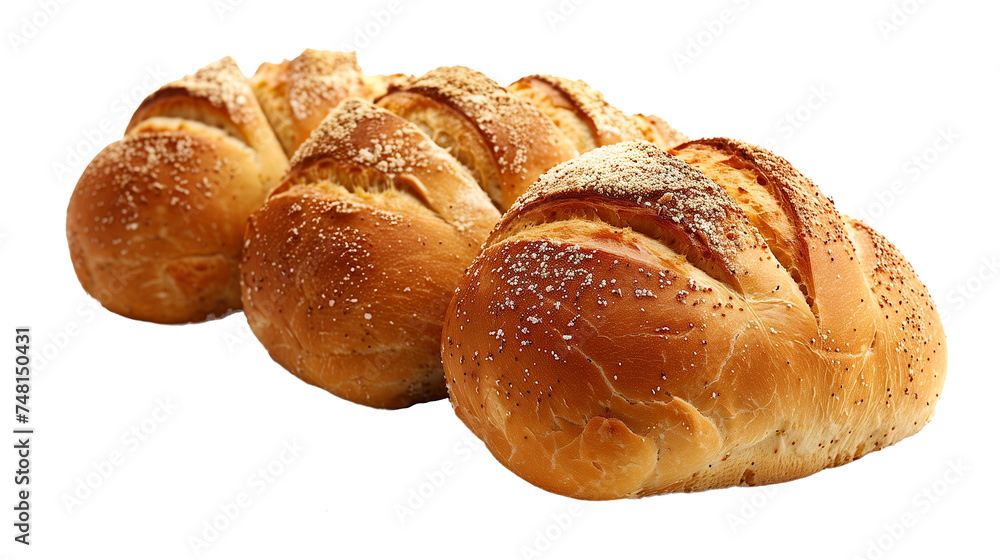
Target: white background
868,100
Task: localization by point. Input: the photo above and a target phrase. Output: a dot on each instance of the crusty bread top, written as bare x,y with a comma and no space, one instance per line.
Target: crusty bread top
117,198
804,198
322,79
381,84
607,124
155,225
349,265
297,94
360,135
659,131
221,84
641,177
384,146
802,228
219,96
517,142
506,121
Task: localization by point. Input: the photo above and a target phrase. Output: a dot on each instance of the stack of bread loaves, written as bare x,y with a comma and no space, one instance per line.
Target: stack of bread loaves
615,310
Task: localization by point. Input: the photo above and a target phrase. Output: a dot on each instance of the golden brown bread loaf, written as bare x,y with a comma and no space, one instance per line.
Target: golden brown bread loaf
155,224
641,323
350,264
504,141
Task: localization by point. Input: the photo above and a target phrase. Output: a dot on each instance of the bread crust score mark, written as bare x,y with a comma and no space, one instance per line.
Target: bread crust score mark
504,141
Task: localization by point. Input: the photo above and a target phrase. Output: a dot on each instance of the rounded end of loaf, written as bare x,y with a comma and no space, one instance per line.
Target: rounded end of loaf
155,222
920,357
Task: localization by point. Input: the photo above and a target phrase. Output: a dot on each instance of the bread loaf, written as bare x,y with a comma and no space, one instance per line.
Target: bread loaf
641,323
155,224
349,265
504,141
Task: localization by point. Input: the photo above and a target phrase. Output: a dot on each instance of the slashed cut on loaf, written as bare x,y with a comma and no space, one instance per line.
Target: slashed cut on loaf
504,141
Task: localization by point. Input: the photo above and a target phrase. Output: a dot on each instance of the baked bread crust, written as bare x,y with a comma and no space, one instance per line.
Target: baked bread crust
504,141
155,222
642,323
659,131
349,265
297,94
580,111
220,96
